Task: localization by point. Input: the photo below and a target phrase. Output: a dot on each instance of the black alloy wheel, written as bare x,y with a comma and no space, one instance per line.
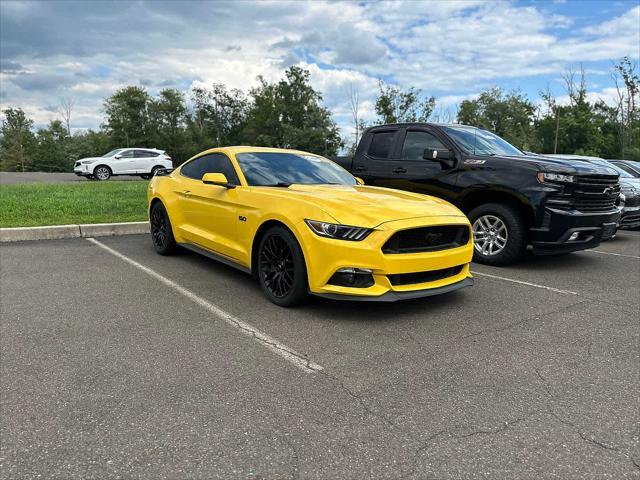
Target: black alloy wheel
161,232
281,268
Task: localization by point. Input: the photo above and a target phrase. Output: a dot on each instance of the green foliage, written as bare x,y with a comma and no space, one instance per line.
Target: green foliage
127,117
289,114
17,141
509,115
69,203
396,106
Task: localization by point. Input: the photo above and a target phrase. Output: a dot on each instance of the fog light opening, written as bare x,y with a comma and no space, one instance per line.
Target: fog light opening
574,236
352,277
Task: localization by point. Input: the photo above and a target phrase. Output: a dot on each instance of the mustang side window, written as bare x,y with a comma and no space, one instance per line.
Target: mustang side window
416,142
212,163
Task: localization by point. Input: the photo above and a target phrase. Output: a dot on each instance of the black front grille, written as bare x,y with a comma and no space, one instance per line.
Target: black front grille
590,193
422,277
427,239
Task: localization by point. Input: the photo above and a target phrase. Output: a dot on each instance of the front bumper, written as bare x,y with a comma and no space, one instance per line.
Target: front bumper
630,218
552,237
325,256
82,171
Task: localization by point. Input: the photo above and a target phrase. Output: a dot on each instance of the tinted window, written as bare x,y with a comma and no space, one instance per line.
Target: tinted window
480,142
627,169
381,144
415,144
145,154
212,163
112,153
126,154
273,168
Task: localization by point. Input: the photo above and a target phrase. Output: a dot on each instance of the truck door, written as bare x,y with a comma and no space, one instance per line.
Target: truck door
410,171
374,165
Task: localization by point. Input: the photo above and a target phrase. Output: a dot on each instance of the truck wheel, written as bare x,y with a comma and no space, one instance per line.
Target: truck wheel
498,233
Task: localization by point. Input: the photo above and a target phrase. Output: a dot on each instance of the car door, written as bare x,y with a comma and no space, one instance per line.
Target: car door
210,212
123,163
143,160
410,171
374,165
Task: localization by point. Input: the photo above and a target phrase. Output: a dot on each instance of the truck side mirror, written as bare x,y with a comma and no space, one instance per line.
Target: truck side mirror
437,154
444,156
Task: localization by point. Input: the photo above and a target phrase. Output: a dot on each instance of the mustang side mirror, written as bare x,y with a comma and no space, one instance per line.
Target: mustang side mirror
442,155
359,180
216,179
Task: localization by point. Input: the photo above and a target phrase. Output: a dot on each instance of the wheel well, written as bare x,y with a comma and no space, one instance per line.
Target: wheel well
153,203
256,241
103,165
480,197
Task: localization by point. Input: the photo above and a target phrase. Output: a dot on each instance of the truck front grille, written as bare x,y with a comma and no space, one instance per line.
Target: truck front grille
590,193
422,277
427,239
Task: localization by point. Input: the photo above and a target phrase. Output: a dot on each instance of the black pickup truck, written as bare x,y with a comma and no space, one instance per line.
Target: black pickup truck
512,199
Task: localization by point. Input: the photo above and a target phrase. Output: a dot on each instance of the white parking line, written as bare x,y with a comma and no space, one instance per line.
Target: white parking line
513,280
265,340
611,253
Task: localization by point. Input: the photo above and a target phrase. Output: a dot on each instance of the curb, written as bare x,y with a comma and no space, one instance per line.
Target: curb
72,231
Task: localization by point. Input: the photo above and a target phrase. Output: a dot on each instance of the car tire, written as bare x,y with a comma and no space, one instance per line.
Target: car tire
154,170
282,272
102,173
161,230
499,233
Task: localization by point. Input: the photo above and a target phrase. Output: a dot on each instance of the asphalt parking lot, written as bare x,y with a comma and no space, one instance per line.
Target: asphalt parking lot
119,363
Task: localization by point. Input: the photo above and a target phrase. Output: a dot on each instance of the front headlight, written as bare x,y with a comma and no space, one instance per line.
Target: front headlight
86,162
555,177
340,232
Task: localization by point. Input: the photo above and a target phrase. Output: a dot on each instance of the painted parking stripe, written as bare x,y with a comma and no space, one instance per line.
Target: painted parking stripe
265,340
513,280
611,253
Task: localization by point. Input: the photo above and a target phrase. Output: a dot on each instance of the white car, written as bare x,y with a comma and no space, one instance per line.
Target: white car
123,161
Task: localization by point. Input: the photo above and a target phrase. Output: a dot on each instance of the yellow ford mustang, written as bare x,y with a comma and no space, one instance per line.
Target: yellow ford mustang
301,224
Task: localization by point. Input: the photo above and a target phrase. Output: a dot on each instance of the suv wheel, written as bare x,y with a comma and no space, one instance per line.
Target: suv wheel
102,172
281,268
498,233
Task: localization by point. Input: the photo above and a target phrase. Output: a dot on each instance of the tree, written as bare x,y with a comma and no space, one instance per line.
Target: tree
354,105
65,109
218,116
509,115
627,84
52,153
289,114
395,106
17,142
127,117
167,121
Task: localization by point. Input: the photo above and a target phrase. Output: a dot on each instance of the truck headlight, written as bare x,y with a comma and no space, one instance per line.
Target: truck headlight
555,177
340,232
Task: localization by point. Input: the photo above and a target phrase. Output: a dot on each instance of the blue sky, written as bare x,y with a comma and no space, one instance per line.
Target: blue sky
84,51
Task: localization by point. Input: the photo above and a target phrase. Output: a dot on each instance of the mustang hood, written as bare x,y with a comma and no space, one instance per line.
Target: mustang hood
365,206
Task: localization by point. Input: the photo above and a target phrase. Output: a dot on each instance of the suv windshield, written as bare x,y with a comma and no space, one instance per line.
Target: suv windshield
480,142
112,152
284,169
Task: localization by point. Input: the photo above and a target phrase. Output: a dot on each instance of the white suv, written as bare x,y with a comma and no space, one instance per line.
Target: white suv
123,161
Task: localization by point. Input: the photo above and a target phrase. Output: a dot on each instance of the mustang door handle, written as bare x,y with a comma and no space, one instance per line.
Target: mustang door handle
399,170
360,168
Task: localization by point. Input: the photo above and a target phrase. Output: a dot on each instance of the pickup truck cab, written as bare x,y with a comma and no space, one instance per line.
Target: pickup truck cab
513,200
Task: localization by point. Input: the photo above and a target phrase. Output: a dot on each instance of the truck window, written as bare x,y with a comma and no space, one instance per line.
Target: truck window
416,142
381,144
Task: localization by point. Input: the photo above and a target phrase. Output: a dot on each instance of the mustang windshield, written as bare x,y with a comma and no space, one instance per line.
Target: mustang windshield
480,142
283,169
